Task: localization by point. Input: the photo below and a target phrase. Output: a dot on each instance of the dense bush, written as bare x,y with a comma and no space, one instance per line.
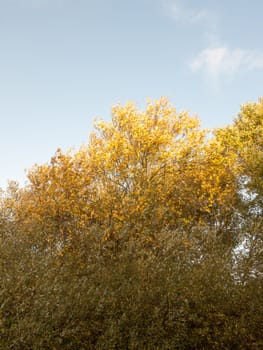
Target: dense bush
171,296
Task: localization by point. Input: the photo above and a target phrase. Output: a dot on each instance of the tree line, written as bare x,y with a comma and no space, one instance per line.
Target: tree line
148,237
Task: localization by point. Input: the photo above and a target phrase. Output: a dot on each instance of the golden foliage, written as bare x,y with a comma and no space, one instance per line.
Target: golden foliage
140,172
245,140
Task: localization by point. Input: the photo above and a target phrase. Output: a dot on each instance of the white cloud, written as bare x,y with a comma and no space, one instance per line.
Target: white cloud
217,61
224,62
183,13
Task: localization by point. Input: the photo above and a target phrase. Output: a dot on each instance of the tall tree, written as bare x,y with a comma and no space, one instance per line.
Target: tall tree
141,172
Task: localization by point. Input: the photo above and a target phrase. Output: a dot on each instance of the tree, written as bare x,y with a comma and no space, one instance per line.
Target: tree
141,172
134,240
245,139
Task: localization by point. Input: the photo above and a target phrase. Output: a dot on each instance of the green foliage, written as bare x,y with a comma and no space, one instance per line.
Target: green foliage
245,139
174,296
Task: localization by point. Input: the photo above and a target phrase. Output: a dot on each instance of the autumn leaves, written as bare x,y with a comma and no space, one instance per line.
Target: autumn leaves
140,173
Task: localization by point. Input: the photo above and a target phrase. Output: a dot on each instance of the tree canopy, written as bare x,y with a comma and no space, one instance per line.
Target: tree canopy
139,173
148,236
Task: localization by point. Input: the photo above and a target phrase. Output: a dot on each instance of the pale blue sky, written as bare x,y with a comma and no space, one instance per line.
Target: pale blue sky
64,62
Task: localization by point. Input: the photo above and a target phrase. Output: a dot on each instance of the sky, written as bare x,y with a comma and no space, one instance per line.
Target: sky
65,62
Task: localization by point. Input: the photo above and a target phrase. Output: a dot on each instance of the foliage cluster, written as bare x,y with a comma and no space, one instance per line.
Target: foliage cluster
149,237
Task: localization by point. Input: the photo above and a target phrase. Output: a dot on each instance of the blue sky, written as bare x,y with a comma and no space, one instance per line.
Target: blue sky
65,62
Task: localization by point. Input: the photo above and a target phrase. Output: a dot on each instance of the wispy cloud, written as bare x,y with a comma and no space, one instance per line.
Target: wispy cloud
222,62
217,61
179,11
